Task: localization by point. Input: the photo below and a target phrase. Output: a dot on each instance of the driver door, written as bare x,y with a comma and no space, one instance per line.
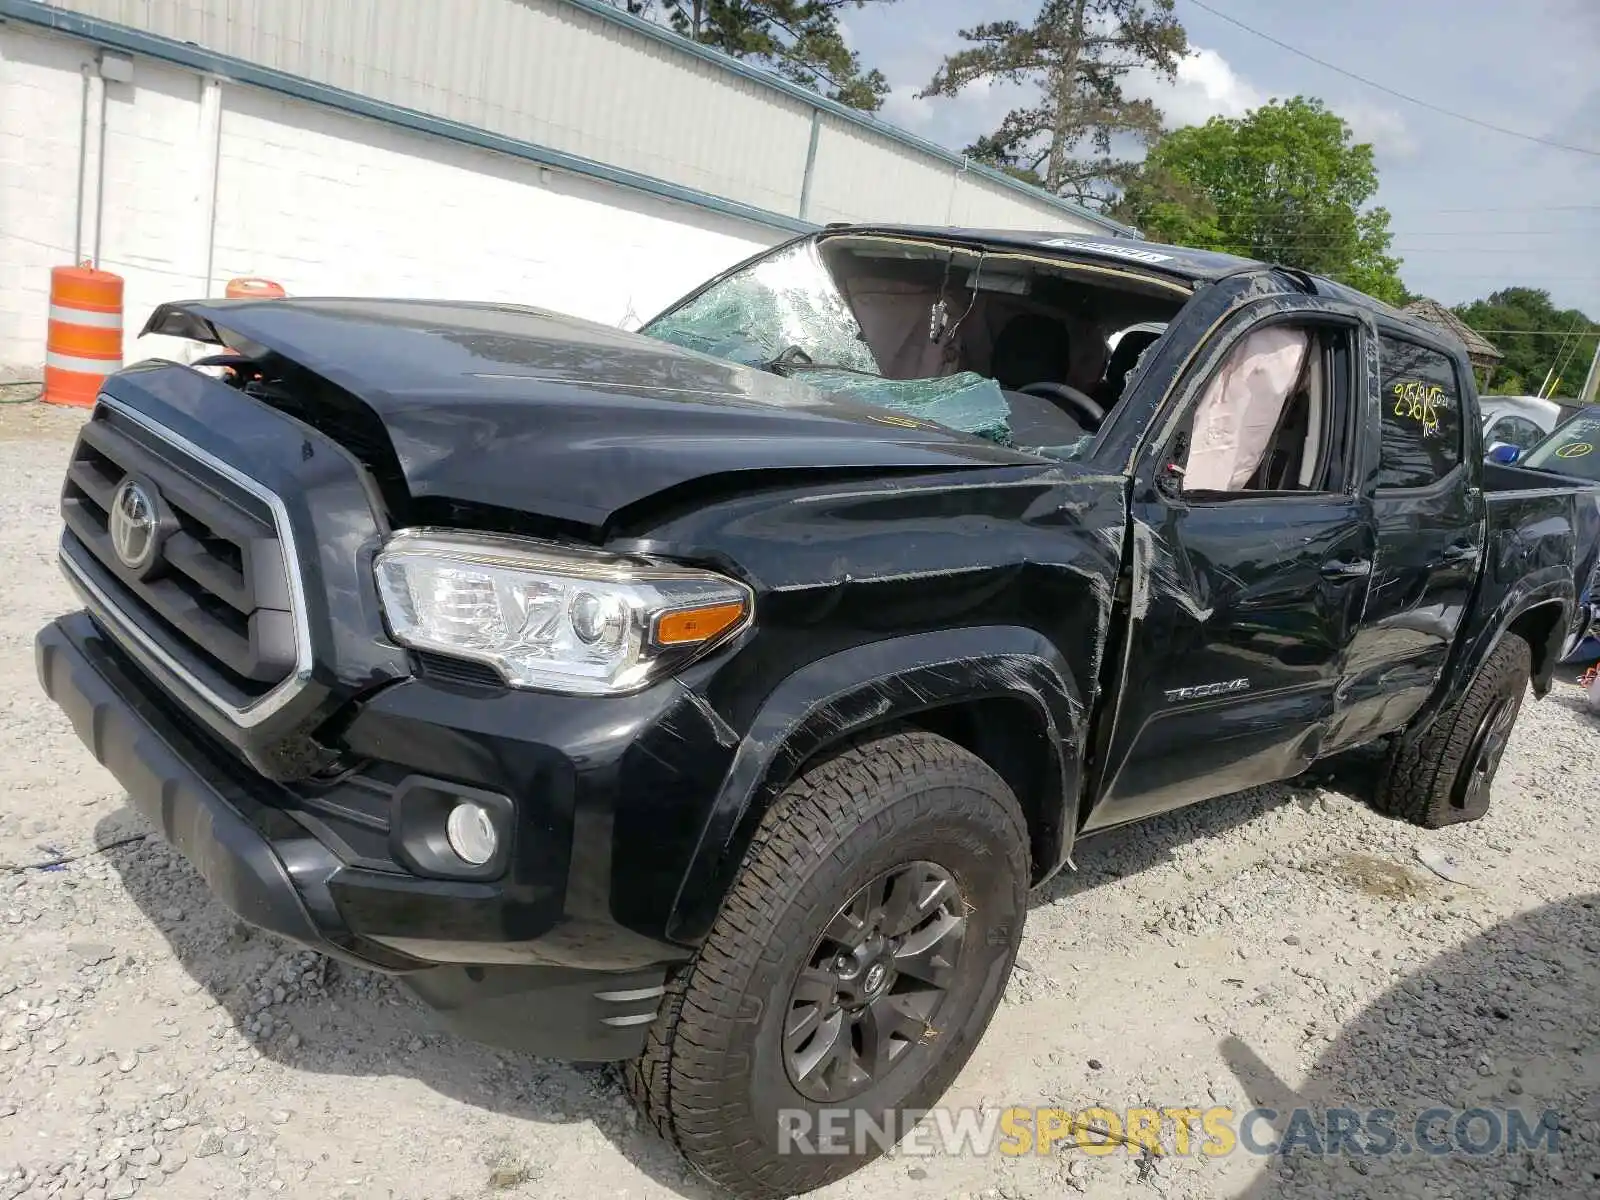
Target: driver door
1248,579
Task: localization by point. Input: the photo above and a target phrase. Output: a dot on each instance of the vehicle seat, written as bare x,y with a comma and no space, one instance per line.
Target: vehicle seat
1030,349
1123,359
1034,349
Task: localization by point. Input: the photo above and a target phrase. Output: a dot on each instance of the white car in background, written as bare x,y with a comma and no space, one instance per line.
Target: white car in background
1520,421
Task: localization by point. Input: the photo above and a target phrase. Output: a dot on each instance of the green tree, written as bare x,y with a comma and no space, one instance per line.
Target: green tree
1287,183
1077,55
1540,341
799,39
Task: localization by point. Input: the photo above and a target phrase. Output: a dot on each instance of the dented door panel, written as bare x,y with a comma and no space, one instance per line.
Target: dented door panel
1236,643
1429,549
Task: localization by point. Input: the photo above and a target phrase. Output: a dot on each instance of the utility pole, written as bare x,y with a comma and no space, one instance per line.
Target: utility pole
1591,385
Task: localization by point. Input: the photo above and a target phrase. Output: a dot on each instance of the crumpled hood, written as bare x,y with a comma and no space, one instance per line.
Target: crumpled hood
538,412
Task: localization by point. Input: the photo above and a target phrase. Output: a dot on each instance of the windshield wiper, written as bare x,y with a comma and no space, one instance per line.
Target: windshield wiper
793,358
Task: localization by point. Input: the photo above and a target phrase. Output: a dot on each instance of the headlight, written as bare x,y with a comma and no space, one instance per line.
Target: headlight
546,616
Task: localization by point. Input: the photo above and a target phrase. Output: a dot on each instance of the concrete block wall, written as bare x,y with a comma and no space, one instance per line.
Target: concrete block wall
187,180
41,100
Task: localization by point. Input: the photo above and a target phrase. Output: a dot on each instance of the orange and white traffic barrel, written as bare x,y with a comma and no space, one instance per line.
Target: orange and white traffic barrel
85,338
250,288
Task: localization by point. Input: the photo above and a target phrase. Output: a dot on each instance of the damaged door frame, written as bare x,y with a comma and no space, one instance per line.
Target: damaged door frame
1164,396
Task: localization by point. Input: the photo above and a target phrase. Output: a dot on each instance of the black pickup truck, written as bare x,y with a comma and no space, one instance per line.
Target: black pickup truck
710,697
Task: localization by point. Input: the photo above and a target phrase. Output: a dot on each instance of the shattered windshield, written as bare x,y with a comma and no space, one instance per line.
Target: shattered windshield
787,313
783,303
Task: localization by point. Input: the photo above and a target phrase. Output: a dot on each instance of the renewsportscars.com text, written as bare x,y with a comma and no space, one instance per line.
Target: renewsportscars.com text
1211,1132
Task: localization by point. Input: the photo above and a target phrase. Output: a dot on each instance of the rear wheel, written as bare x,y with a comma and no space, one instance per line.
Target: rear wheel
1445,776
855,963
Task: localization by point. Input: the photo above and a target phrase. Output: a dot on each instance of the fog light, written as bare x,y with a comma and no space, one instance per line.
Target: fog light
471,833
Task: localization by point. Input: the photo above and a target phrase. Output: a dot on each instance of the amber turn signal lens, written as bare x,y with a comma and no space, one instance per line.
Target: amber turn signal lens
693,625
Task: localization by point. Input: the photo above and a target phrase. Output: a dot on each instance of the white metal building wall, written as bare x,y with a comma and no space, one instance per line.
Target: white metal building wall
552,152
582,78
205,180
415,216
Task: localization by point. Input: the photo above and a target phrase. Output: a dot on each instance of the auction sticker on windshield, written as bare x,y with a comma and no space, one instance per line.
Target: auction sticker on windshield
1572,449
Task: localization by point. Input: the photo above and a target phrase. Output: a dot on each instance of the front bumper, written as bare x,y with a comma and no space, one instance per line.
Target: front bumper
275,874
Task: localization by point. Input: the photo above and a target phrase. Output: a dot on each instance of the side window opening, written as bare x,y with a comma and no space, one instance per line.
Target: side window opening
1294,451
1272,418
1420,398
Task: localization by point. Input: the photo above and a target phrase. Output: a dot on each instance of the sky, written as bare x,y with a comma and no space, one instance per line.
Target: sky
1473,211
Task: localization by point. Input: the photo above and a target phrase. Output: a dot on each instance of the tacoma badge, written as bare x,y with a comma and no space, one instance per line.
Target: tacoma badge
1200,691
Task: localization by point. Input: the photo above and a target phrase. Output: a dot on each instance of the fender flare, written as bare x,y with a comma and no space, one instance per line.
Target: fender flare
1552,586
843,694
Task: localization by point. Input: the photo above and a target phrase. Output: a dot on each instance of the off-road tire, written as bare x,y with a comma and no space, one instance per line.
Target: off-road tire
1426,776
714,1074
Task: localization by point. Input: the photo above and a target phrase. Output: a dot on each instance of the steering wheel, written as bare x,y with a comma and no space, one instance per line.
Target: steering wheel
1061,393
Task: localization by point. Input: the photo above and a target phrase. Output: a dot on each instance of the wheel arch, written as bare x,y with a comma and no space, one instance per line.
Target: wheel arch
1004,693
1543,626
1539,608
1014,737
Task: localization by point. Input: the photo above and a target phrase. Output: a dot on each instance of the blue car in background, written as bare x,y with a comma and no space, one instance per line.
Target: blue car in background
1571,449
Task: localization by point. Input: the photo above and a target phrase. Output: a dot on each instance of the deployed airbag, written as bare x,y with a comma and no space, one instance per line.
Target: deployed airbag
1236,417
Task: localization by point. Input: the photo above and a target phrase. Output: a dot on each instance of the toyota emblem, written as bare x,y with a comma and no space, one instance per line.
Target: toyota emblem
133,523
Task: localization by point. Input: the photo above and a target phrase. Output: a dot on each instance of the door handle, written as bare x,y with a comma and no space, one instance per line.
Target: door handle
1338,568
1461,552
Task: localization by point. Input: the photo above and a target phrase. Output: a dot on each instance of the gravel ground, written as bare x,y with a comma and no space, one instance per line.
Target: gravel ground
1284,946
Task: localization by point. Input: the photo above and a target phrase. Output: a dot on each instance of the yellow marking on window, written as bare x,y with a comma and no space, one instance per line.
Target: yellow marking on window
1419,402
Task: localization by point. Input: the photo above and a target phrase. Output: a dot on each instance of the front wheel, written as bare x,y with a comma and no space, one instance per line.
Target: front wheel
1445,775
852,969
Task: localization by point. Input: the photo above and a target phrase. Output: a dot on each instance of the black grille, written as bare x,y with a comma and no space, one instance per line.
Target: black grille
217,590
